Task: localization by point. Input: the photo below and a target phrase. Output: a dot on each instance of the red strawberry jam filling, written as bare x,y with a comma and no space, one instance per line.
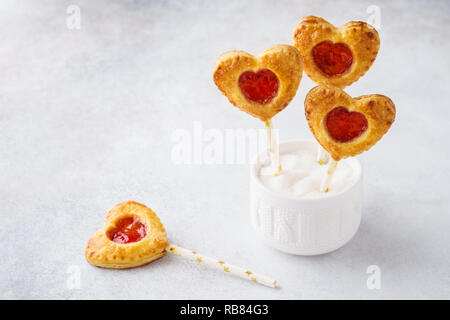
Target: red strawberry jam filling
260,87
127,230
344,126
333,59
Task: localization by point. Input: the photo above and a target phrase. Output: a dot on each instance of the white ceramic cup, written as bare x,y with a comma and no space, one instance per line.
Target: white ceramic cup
305,226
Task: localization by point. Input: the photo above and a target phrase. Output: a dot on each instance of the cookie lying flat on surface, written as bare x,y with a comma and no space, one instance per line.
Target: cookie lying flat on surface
260,85
131,236
336,56
346,126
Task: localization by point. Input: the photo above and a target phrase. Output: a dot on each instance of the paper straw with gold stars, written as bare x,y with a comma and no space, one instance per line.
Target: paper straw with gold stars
322,155
274,150
331,167
222,266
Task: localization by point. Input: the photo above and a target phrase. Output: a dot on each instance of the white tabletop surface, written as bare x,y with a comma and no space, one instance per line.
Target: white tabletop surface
87,120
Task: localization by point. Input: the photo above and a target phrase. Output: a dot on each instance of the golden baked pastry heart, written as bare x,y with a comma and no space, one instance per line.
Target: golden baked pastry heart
260,85
131,236
336,56
347,126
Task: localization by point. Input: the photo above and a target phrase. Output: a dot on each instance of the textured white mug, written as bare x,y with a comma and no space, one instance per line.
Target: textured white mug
305,226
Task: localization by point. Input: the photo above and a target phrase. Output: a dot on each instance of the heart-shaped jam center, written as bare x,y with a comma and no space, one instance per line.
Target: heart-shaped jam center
343,125
333,59
127,230
260,87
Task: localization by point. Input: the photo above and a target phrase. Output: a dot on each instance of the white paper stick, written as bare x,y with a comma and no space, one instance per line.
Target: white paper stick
322,155
276,152
331,167
273,148
222,266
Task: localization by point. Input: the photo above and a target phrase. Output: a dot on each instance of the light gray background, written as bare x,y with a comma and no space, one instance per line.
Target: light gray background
86,122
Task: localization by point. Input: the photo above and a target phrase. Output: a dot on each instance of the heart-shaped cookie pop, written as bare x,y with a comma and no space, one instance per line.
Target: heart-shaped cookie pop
336,56
347,126
260,85
131,236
